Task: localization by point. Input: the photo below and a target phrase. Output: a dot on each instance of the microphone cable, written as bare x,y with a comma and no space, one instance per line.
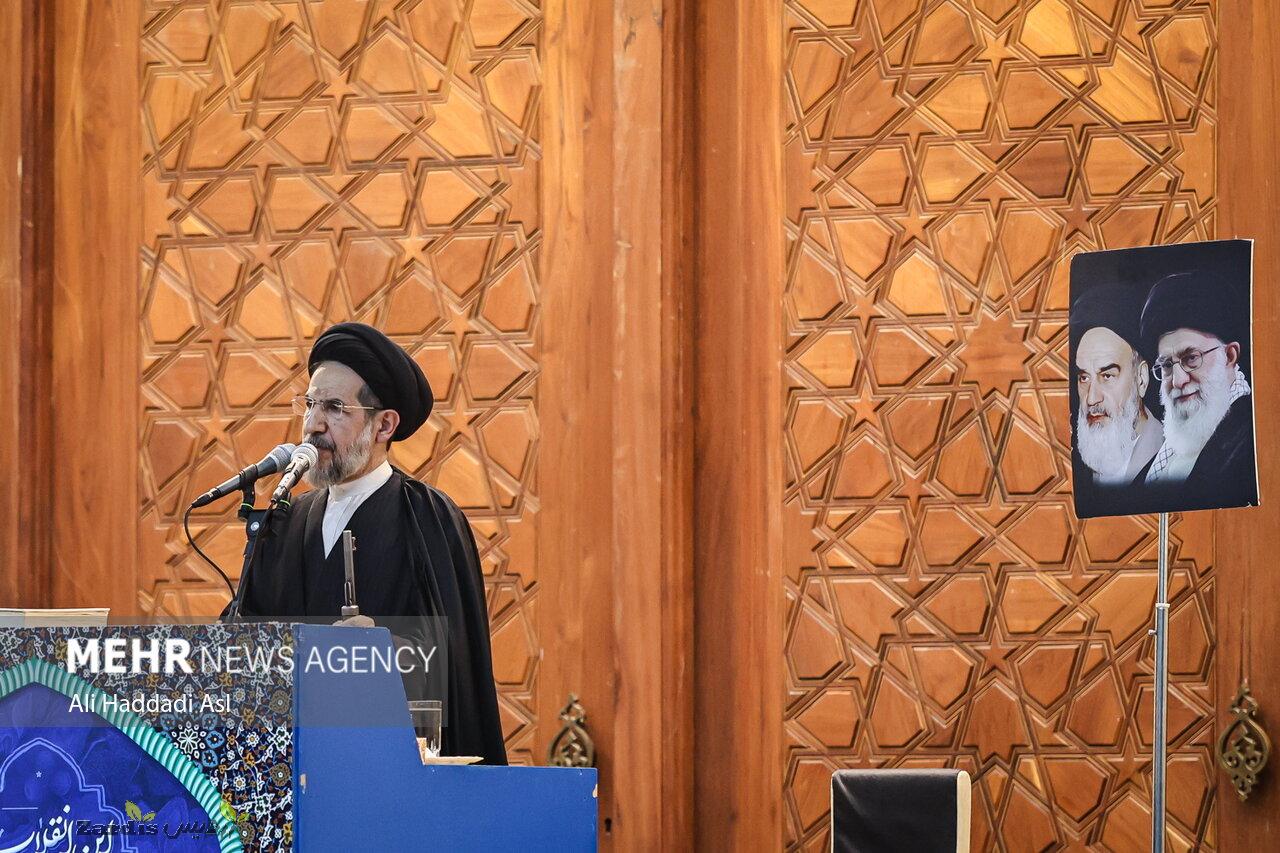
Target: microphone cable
186,527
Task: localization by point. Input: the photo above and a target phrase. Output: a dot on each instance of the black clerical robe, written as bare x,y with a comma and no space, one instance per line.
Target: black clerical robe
417,574
1225,473
1226,468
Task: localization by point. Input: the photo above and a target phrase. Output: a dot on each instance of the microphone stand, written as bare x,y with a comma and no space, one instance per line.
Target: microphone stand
1160,697
255,520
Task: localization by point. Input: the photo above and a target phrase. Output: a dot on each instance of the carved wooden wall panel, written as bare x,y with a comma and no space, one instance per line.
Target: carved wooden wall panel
944,160
315,161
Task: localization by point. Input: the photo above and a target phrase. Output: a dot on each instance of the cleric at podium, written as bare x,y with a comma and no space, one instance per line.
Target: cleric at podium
416,564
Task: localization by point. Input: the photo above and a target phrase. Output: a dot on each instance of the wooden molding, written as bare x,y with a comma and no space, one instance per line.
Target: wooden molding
614,407
1246,541
652,425
25,266
575,521
738,427
96,221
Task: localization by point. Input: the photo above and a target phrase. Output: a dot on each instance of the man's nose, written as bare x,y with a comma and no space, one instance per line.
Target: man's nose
1178,375
1094,395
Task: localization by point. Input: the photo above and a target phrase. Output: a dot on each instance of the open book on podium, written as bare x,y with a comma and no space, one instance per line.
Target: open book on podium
263,737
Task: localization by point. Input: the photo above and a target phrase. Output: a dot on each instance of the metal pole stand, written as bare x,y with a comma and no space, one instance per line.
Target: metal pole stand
252,519
1160,699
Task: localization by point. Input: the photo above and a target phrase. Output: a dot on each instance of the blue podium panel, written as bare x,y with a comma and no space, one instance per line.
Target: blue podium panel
264,737
359,784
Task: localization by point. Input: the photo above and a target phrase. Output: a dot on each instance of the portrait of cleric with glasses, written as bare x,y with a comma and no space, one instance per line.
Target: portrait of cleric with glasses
1160,377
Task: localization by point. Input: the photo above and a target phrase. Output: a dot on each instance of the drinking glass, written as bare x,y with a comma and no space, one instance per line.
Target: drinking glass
427,717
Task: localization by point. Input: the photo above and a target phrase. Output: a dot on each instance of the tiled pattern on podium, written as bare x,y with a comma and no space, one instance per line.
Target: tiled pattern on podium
944,160
314,161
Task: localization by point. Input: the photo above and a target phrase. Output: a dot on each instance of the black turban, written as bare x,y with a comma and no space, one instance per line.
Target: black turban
1111,304
1201,300
393,377
1115,308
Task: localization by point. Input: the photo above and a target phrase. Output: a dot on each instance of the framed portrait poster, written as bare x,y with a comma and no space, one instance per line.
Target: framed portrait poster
1161,349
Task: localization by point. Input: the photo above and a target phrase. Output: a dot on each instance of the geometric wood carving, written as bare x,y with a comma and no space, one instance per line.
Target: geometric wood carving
944,161
315,161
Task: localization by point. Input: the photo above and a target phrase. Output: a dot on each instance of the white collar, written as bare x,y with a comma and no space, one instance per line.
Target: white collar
362,486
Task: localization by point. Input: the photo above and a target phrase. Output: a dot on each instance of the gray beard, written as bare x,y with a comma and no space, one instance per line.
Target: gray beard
1107,447
1189,426
342,465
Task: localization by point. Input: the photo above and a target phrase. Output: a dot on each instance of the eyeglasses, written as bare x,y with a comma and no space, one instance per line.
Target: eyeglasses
332,409
1188,362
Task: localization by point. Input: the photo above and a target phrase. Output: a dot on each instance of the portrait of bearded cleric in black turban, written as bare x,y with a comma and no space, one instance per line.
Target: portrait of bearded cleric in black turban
1160,369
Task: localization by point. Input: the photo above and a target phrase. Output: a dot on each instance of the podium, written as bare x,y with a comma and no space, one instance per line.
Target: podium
281,737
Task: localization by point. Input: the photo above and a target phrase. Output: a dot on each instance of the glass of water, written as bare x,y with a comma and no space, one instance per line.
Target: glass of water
427,716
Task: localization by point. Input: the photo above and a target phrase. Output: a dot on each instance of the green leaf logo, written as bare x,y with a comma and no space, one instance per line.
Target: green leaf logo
228,810
132,810
148,817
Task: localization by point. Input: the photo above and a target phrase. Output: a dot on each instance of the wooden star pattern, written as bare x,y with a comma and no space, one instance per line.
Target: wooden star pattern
954,532
996,50
293,198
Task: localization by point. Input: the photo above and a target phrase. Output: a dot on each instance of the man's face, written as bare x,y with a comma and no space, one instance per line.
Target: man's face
1111,381
344,442
1184,389
1106,376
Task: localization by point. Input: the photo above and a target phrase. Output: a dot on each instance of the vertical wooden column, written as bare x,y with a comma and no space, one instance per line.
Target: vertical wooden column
96,222
738,427
614,407
25,182
574,552
652,424
1246,541
12,288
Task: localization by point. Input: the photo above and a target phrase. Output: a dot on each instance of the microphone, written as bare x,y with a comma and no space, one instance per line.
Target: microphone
305,457
271,463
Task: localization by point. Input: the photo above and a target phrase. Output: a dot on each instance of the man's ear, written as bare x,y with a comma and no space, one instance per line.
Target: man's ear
1233,353
1144,378
388,423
